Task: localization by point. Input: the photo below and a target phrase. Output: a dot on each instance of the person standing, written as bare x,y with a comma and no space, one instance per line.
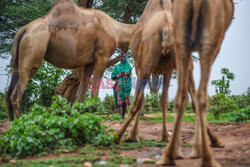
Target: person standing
123,84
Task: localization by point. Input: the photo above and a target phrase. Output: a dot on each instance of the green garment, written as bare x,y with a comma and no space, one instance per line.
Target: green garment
125,84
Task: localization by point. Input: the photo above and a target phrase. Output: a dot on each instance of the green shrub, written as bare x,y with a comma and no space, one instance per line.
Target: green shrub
109,103
152,103
221,103
93,105
240,115
242,100
3,107
59,126
189,108
171,106
42,85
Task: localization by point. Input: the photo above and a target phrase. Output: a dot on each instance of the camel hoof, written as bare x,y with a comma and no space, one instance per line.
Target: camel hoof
211,163
166,161
194,154
218,145
132,140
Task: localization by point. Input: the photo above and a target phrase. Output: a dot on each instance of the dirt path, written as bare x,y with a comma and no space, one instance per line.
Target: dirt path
235,136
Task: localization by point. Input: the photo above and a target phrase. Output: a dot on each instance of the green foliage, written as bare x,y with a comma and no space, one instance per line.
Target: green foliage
123,11
41,87
109,103
221,103
152,103
242,100
222,85
143,143
241,115
14,15
189,108
171,106
60,125
3,107
112,117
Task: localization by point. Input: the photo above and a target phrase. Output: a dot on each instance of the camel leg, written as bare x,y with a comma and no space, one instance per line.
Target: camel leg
164,106
196,145
30,55
84,74
207,54
133,134
137,105
215,142
182,61
99,69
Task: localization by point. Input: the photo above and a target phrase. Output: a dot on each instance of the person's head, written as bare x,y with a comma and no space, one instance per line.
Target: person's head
122,57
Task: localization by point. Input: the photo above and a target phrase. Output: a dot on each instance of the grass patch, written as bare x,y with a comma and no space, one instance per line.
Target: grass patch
187,118
143,143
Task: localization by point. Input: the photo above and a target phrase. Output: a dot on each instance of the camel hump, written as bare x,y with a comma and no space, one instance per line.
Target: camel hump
62,7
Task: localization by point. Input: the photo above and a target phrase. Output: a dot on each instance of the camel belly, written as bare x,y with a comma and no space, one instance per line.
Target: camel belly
69,51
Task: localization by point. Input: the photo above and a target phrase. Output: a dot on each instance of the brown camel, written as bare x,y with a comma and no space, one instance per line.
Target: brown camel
200,25
151,44
67,37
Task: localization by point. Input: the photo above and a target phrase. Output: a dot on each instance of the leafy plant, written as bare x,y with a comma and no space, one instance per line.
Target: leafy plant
152,103
240,115
220,103
42,85
59,126
3,107
242,100
222,85
109,103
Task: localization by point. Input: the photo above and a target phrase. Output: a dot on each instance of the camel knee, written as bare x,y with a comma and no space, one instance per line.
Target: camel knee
180,101
202,100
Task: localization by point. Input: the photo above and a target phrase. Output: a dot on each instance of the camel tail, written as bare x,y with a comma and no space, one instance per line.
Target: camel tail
167,40
196,13
14,66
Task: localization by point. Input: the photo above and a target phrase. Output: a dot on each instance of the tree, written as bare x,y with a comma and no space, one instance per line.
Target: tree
15,14
222,85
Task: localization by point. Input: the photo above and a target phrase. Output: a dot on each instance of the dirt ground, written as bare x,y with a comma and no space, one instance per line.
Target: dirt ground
236,137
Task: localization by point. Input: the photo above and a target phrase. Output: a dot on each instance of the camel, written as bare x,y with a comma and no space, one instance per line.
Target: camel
67,37
200,25
151,45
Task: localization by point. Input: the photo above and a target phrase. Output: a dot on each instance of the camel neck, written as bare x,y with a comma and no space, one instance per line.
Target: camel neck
123,33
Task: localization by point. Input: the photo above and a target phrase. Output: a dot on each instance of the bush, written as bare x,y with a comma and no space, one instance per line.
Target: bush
152,103
109,103
240,115
93,105
42,85
3,107
221,103
242,100
59,126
